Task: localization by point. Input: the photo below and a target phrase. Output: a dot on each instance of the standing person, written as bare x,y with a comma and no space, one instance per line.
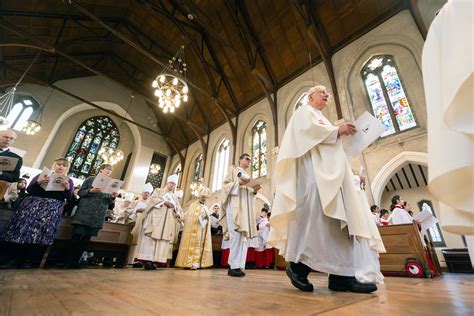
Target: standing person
33,226
240,220
264,256
376,213
195,248
154,231
89,217
317,213
216,229
7,138
399,214
124,213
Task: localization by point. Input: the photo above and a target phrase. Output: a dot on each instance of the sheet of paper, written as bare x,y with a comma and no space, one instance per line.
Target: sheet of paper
8,163
44,173
113,186
55,181
368,130
203,221
101,182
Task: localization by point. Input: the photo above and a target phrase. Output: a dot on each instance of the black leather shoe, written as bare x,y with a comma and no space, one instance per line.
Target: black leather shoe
349,284
149,266
236,273
299,282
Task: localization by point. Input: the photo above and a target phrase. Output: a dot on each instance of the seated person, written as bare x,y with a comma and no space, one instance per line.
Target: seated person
16,193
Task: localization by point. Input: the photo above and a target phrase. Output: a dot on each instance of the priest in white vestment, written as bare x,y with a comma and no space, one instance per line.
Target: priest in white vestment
317,219
195,248
448,77
238,215
154,231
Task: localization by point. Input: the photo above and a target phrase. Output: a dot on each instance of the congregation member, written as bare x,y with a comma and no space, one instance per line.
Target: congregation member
238,218
318,221
7,138
399,214
33,226
154,231
216,229
16,193
195,248
90,216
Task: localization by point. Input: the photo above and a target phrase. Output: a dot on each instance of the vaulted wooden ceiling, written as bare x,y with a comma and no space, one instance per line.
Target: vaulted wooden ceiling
237,52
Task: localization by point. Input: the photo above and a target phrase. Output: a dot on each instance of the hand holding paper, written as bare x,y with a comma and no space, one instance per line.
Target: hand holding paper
368,130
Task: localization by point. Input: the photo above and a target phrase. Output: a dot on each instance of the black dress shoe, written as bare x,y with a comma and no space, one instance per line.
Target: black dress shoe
236,272
300,283
349,284
149,266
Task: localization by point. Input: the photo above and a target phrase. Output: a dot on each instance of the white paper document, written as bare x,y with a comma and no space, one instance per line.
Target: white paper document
368,130
106,184
8,163
203,221
55,182
426,219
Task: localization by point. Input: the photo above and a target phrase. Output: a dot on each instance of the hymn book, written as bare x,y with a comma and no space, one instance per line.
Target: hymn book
368,130
8,163
107,184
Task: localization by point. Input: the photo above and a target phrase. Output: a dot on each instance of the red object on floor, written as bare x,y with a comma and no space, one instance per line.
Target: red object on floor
265,259
225,258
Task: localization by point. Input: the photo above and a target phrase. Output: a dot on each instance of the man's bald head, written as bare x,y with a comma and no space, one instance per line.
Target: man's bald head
7,138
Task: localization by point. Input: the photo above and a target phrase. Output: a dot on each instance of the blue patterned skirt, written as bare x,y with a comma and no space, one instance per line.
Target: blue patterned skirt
35,221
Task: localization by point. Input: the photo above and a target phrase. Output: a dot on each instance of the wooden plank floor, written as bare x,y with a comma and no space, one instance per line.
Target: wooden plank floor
212,292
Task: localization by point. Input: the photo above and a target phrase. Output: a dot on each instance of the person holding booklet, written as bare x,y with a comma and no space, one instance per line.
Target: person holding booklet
238,216
318,221
90,215
33,226
11,161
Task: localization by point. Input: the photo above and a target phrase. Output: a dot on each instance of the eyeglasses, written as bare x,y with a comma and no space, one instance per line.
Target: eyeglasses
248,158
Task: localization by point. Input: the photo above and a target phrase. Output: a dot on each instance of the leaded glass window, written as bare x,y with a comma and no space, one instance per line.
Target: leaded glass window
387,96
221,164
93,134
156,178
22,110
259,150
300,101
197,169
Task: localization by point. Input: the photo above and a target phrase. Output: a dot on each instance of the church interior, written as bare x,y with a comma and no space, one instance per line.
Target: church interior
154,92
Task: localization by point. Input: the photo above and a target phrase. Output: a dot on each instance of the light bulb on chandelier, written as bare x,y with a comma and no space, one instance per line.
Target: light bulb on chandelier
170,85
111,155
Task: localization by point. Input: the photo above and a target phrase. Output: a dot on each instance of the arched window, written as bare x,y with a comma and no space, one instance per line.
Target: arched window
21,112
197,168
387,96
221,164
178,171
259,149
93,134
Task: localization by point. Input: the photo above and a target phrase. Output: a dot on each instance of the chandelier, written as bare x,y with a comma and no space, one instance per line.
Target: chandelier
155,168
196,187
111,155
170,85
31,127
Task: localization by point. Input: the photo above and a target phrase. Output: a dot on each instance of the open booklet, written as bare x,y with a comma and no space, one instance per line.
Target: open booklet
107,184
368,130
55,180
8,163
426,219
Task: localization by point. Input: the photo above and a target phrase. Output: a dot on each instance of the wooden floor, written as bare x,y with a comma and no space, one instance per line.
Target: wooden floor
212,292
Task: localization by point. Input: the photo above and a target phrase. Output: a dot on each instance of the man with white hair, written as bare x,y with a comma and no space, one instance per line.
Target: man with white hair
195,248
154,232
318,222
7,138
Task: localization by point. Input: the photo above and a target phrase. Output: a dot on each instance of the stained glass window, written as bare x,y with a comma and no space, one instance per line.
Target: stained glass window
259,150
197,171
300,101
221,164
387,96
93,134
156,178
21,112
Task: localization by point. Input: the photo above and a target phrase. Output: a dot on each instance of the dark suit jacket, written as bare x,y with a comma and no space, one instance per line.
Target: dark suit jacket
11,176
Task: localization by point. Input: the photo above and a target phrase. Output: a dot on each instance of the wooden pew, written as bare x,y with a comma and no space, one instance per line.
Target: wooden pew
404,246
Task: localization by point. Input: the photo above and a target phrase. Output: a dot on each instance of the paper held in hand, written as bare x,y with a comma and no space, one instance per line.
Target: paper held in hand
368,130
55,182
426,219
8,163
107,184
